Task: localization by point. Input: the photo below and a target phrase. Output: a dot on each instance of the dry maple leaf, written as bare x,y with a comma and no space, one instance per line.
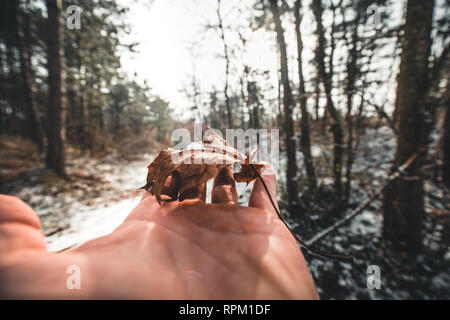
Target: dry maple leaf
196,166
247,173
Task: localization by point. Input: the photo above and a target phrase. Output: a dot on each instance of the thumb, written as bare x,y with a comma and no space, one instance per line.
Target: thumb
20,227
259,197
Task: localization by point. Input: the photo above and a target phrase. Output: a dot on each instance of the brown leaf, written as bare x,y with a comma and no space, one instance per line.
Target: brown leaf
194,166
247,173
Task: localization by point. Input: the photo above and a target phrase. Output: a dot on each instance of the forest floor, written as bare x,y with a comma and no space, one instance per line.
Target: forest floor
403,276
94,199
100,193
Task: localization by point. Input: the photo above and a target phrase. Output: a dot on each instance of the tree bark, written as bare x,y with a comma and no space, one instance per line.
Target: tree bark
403,200
288,102
317,98
56,132
305,141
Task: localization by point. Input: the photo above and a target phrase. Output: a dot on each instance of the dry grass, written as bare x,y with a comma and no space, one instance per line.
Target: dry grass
17,155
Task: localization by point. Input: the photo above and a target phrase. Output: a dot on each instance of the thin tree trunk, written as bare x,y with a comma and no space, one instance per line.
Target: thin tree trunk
317,98
12,79
84,123
288,102
243,98
352,70
227,67
403,200
57,131
279,102
84,130
305,141
92,143
335,118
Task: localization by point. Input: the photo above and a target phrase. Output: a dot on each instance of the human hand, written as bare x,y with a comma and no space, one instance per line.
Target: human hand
178,250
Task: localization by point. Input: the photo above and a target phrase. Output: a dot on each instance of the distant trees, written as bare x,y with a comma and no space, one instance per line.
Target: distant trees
68,83
160,117
403,200
23,46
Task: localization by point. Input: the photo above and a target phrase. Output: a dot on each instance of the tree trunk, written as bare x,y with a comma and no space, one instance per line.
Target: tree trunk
335,118
403,200
57,131
288,102
305,141
84,123
317,99
243,99
279,102
227,67
352,73
31,110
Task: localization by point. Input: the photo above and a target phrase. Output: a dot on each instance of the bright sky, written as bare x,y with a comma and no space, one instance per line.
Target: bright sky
174,42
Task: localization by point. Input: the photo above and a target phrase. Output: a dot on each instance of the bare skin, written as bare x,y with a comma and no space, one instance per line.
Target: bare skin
181,250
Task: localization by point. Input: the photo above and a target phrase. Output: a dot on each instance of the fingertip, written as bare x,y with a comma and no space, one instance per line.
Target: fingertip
172,185
13,209
224,187
258,196
225,176
267,171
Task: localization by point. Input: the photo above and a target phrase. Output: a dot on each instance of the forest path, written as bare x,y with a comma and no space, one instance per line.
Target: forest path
106,205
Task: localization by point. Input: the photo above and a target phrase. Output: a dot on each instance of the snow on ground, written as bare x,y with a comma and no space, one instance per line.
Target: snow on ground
87,209
424,276
94,222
